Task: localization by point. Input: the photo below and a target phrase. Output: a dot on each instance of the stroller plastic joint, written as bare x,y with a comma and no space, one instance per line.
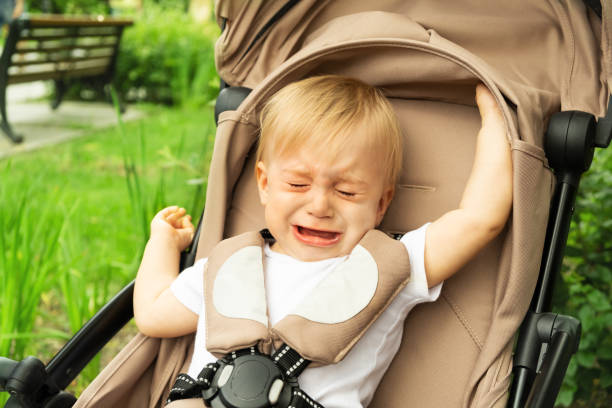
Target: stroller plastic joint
571,139
570,144
30,385
546,345
604,128
230,98
562,344
542,328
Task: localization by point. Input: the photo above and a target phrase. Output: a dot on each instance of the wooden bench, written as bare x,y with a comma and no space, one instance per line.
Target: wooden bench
60,48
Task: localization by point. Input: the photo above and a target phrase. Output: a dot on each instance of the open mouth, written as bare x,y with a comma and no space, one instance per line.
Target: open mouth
316,237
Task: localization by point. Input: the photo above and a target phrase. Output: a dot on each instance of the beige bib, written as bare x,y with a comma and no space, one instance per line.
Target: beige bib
326,324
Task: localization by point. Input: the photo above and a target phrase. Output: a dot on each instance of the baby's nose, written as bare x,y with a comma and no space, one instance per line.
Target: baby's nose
320,205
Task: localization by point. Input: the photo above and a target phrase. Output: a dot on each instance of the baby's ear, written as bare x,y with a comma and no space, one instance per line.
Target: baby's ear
261,174
384,202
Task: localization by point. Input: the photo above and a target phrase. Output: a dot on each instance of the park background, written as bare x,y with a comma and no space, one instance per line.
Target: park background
74,218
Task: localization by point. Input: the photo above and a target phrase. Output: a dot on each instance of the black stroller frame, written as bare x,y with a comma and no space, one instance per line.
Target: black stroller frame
546,341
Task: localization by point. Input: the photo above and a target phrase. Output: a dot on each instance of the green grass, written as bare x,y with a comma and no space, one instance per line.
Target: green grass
74,220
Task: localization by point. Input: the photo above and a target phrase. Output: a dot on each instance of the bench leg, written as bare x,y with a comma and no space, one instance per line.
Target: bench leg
60,91
6,128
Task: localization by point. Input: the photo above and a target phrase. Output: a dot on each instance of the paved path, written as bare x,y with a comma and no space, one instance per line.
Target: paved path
32,117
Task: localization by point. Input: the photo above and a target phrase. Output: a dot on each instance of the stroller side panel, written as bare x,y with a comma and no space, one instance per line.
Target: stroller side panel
146,365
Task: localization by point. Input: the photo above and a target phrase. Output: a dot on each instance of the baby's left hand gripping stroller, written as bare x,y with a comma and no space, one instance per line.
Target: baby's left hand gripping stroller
458,350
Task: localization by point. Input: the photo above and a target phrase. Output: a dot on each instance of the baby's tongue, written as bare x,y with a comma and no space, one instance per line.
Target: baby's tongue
317,233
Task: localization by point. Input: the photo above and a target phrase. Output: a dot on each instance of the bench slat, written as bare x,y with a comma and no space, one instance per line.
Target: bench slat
73,29
45,50
81,72
57,20
61,37
60,61
64,66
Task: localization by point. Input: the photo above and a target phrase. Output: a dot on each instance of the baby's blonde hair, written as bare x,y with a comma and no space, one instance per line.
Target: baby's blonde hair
323,112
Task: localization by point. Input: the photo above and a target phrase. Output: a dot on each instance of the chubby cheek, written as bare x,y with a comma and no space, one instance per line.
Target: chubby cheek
278,211
370,216
361,222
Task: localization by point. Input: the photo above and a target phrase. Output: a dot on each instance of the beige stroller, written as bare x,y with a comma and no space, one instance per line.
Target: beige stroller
537,57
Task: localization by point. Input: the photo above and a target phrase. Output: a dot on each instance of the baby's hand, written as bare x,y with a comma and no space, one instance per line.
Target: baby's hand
490,114
174,223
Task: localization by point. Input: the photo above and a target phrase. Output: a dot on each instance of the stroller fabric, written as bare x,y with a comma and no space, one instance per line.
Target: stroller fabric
427,57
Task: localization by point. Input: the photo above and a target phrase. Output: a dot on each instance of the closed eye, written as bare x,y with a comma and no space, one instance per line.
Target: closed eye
297,185
346,193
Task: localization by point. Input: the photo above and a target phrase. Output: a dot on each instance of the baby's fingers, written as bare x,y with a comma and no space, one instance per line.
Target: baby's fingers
166,212
175,216
186,231
187,227
186,222
487,105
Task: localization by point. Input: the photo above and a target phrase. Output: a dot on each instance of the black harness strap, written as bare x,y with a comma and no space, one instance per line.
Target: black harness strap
186,387
289,361
210,382
301,400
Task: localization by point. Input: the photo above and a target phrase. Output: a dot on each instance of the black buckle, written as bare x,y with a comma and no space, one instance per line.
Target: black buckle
249,381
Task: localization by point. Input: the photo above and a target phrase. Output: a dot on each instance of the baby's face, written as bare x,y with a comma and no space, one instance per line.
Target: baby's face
317,208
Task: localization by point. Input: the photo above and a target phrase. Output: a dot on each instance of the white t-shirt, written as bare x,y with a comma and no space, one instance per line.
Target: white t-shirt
353,381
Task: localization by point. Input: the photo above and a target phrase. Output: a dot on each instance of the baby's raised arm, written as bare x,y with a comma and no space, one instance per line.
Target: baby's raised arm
453,239
158,313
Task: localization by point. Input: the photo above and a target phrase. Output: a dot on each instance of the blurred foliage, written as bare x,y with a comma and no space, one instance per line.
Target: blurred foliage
169,4
69,6
167,57
586,288
66,214
97,6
